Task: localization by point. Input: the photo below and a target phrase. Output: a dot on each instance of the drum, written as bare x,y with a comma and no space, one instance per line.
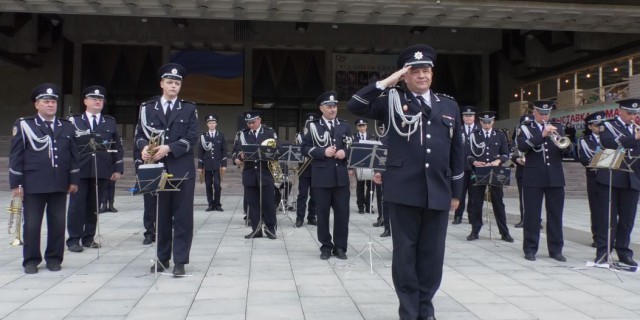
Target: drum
363,174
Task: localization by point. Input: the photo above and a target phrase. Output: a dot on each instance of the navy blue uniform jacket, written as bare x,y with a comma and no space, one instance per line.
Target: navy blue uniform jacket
108,162
322,168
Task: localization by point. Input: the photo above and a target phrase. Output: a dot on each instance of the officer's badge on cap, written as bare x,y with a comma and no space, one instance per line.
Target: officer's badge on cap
527,118
311,116
544,107
595,117
418,56
94,92
360,122
487,116
172,71
212,118
468,110
45,91
329,98
250,115
631,105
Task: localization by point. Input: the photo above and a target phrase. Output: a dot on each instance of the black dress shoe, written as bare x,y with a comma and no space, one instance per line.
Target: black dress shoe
507,238
209,208
628,261
378,223
530,256
75,248
31,269
178,270
593,244
429,318
360,210
325,255
339,253
472,236
254,234
299,223
312,222
457,220
111,208
103,207
271,234
218,208
558,256
148,239
54,267
162,265
367,210
93,245
519,224
386,233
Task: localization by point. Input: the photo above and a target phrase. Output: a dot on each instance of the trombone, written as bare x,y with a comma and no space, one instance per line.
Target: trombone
15,218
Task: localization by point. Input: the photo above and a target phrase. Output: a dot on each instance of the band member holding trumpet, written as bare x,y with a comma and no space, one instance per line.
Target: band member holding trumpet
175,122
326,142
589,145
304,182
257,176
44,163
488,148
543,177
620,133
424,171
81,217
212,162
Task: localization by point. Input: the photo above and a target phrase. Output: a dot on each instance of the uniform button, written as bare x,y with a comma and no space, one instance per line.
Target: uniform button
545,143
426,165
547,150
428,136
55,148
56,157
168,129
56,166
429,122
428,150
548,164
168,138
547,157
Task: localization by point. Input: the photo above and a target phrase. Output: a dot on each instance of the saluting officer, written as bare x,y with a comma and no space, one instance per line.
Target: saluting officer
488,148
543,177
304,183
363,197
469,126
108,166
43,168
517,157
257,179
212,158
176,121
620,133
588,146
424,170
326,142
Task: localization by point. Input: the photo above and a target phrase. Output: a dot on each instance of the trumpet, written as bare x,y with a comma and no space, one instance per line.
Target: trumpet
154,141
15,218
559,141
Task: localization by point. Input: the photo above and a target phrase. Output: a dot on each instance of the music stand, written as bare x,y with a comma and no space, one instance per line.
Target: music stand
91,143
491,176
259,153
153,178
611,160
371,155
292,157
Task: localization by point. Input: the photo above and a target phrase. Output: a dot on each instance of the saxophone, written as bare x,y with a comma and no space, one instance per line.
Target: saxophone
154,141
15,218
274,165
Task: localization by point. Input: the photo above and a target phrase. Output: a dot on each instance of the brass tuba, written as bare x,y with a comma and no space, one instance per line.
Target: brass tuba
274,165
15,218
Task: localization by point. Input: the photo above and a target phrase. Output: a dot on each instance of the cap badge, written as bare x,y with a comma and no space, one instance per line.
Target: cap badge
248,115
544,106
174,71
97,91
634,105
418,55
49,91
331,98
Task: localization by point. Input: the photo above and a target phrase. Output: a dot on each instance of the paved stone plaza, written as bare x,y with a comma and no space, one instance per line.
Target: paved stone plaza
234,278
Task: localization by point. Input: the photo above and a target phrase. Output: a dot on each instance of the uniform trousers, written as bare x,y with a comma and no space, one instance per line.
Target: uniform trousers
81,218
623,214
149,215
268,210
595,204
554,204
212,186
34,209
466,182
418,256
476,199
175,223
304,183
336,198
363,198
520,201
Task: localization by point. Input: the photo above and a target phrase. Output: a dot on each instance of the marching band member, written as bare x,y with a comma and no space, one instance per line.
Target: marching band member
487,148
543,177
517,157
588,145
363,197
254,180
212,159
176,121
620,133
378,180
424,171
326,142
44,162
469,126
304,184
81,217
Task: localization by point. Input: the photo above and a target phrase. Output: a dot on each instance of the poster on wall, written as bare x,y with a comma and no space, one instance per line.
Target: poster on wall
354,71
213,77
